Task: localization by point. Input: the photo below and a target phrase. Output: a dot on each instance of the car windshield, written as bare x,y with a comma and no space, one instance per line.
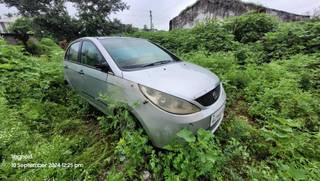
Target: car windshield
131,53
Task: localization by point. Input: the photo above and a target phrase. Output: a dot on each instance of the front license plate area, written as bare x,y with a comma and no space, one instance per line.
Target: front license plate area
216,116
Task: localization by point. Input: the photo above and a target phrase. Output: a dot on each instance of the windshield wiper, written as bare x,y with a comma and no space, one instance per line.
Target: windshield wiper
157,63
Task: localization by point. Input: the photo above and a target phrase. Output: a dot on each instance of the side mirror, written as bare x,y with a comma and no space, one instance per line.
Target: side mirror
104,67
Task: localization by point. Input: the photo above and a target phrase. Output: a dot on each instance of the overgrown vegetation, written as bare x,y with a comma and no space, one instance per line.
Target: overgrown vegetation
270,130
51,18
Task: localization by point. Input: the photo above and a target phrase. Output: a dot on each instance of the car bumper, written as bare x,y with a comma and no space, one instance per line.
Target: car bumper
162,126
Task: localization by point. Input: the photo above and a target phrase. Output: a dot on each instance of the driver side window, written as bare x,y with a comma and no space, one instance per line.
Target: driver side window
90,55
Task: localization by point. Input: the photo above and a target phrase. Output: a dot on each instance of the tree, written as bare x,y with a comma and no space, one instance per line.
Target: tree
23,31
61,27
94,16
21,26
316,13
35,8
101,8
50,17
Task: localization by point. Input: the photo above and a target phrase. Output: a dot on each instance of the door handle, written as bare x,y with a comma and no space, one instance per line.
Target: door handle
66,66
81,72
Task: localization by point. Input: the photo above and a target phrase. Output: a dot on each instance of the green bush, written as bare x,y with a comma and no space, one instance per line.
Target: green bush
21,26
212,37
209,36
291,39
252,26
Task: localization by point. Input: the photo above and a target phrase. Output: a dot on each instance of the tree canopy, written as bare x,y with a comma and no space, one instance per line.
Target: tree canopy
50,17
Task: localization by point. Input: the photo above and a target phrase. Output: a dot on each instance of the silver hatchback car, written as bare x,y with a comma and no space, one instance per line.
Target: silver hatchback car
163,92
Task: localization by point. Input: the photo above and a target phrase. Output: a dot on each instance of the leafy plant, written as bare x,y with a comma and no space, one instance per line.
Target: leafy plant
252,26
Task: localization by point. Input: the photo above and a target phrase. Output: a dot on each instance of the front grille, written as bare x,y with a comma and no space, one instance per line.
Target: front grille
210,97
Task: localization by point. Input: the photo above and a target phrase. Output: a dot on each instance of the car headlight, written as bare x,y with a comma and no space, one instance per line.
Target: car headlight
169,103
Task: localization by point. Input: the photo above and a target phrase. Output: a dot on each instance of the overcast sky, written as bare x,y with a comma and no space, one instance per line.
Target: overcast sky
164,10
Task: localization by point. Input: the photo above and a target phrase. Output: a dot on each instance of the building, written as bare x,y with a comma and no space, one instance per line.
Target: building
5,22
11,37
220,9
4,26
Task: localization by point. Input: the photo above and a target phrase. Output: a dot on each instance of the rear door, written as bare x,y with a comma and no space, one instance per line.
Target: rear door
72,67
95,82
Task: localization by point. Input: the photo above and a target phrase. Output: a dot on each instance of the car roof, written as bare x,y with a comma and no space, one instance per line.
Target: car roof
105,37
110,37
102,38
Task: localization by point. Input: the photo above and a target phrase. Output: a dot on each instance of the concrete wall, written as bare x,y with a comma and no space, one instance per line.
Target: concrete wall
220,9
4,27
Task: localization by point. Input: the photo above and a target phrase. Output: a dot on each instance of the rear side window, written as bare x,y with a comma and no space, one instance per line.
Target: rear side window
73,51
90,55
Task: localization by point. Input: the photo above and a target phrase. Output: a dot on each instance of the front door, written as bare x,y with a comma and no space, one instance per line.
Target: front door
95,80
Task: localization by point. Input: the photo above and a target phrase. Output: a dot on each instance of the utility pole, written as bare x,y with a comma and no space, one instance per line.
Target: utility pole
151,24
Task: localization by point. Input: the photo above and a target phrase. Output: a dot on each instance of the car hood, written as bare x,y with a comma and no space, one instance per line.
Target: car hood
181,79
